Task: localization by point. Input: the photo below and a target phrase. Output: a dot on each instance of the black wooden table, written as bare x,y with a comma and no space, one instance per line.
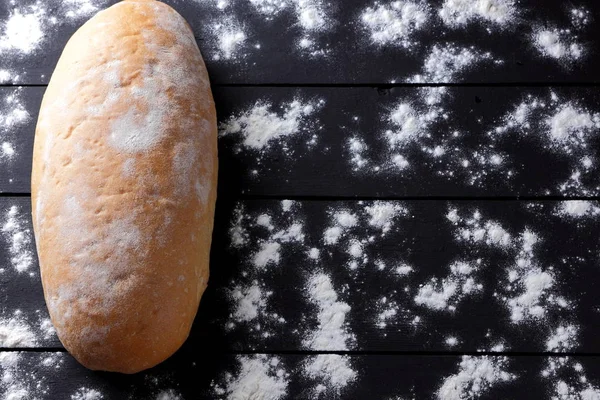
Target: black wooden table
483,284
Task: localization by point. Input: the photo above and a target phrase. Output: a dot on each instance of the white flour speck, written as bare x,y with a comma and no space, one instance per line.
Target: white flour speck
22,32
230,40
12,116
395,23
87,394
445,294
558,44
476,376
258,377
249,302
457,13
15,331
564,338
168,395
577,209
332,332
334,372
445,62
262,125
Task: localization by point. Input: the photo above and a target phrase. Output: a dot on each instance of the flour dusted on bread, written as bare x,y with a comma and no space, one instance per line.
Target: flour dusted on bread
124,186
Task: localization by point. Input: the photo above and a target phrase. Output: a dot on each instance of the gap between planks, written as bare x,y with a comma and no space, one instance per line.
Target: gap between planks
375,85
227,197
348,352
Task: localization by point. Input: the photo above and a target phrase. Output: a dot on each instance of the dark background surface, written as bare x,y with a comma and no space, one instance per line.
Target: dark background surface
354,79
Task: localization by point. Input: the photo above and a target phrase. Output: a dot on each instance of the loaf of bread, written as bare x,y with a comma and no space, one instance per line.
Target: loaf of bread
124,187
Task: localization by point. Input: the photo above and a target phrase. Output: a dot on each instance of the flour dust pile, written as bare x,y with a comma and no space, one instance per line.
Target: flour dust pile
264,127
31,24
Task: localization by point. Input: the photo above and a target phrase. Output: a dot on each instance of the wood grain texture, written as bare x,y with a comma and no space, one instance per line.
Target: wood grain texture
352,58
190,375
326,168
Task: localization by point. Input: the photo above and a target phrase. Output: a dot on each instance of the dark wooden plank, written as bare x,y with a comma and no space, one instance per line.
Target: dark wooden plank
297,165
421,237
195,373
270,53
459,153
425,239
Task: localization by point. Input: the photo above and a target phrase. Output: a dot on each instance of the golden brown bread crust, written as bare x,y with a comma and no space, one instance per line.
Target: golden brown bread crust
124,187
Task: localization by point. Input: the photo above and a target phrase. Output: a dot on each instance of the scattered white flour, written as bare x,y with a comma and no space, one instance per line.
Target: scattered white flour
387,312
311,18
343,220
530,292
258,377
12,115
536,285
577,209
445,62
82,8
47,329
564,338
570,124
87,394
15,331
357,148
28,26
264,236
559,44
394,23
568,380
249,302
261,126
267,254
8,76
451,341
580,17
477,231
18,381
269,251
417,128
314,253
264,220
311,14
476,376
19,238
231,38
286,205
251,308
457,13
22,32
168,395
403,270
270,8
267,244
562,126
333,372
445,294
332,333
409,126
